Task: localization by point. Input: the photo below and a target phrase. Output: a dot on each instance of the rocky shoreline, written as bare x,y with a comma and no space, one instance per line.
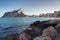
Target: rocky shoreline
45,30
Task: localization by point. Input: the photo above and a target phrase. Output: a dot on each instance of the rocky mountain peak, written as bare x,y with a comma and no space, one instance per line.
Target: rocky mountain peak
20,11
15,13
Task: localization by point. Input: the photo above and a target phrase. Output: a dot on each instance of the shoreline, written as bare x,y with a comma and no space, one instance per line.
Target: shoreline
34,30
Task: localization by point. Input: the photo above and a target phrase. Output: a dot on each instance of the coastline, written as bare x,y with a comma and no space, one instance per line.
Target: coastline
34,30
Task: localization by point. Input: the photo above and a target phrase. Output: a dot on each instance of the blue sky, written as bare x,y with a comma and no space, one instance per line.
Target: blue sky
30,7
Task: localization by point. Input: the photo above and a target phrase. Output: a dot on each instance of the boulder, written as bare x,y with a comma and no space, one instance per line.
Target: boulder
50,31
37,23
37,27
55,21
47,34
44,30
58,27
41,25
33,32
57,36
42,38
24,36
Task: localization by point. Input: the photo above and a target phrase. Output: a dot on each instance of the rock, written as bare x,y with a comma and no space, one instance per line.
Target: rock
42,38
57,36
55,21
37,27
32,32
38,30
28,33
24,36
50,31
47,34
37,23
58,27
15,13
41,25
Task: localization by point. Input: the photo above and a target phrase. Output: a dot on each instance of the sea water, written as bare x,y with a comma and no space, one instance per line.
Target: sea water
18,24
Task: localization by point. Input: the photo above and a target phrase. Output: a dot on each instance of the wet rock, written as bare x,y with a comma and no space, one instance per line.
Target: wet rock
31,32
50,31
37,23
42,38
41,25
55,21
38,30
57,36
23,37
58,27
47,34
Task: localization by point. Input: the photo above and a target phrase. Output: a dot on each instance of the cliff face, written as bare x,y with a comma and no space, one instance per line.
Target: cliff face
15,13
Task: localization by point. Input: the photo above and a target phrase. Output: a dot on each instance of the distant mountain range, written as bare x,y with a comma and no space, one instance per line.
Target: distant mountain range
15,13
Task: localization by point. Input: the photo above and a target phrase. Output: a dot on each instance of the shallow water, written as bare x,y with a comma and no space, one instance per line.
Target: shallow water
18,24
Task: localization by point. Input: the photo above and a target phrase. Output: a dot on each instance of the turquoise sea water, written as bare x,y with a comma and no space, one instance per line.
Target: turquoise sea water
16,25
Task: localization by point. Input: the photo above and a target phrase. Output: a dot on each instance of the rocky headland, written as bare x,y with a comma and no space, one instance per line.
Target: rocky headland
39,30
20,13
15,13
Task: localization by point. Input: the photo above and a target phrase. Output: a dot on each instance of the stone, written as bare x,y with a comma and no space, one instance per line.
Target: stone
58,27
42,38
37,23
55,21
38,30
23,37
50,31
57,37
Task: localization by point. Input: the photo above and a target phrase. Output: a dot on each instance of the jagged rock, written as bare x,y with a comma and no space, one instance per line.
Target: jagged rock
24,36
42,38
58,27
47,34
37,23
57,36
54,21
36,31
50,31
15,13
40,25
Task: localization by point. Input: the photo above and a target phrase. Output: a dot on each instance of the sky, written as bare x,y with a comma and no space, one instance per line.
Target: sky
30,7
